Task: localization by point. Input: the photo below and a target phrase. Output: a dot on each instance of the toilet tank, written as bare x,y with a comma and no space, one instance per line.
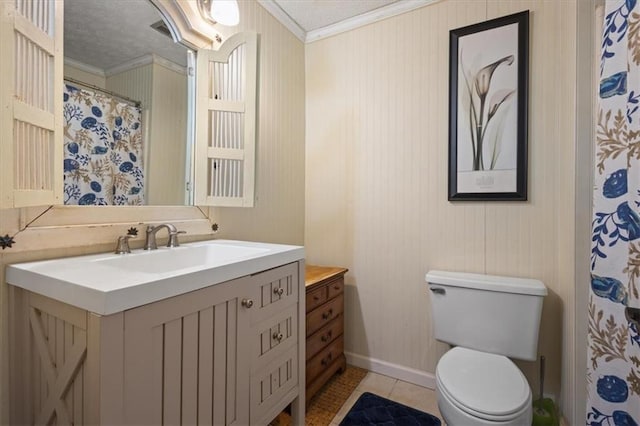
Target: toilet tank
500,315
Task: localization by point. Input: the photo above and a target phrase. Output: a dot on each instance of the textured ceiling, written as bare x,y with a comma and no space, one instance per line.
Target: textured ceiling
107,33
314,14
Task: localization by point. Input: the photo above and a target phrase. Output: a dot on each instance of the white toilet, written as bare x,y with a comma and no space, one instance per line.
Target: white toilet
487,319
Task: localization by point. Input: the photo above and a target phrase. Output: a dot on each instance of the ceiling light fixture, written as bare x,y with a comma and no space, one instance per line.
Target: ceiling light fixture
223,12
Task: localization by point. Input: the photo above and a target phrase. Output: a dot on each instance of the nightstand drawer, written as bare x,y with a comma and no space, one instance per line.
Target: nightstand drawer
335,288
324,336
322,315
324,359
316,298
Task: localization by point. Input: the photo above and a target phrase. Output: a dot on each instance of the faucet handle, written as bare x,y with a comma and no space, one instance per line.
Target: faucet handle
173,238
123,244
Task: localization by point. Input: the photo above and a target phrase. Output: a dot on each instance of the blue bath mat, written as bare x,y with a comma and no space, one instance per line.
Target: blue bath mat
374,410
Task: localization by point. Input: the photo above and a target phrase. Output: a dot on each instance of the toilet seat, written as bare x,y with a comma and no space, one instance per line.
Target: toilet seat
483,385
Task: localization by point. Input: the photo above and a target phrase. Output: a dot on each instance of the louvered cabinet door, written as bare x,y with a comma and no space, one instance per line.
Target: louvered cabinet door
31,123
226,116
186,359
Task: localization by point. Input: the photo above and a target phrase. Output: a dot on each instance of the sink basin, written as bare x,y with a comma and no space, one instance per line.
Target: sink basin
166,260
107,283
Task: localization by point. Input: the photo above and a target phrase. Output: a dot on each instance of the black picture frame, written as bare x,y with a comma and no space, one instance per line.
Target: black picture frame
488,110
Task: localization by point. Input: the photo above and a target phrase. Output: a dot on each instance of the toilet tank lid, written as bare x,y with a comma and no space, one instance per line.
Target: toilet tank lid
487,282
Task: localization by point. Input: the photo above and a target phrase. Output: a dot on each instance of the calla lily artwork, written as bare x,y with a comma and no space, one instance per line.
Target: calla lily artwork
487,111
480,117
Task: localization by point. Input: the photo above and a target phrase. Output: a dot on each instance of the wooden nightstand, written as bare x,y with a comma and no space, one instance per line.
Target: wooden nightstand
324,325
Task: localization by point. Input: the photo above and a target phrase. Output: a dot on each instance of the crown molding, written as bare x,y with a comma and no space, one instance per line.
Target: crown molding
393,9
140,61
84,67
275,10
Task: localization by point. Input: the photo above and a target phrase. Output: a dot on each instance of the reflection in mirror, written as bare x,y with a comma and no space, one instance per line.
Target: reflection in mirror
126,106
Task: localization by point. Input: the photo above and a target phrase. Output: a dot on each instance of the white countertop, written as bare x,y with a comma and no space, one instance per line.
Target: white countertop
108,283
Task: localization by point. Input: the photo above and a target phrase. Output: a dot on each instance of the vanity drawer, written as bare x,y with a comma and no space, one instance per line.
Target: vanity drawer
274,336
321,316
271,384
335,288
276,289
324,359
322,337
316,298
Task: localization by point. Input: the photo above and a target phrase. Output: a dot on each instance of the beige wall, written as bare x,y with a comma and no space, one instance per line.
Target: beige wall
376,178
167,155
279,212
86,77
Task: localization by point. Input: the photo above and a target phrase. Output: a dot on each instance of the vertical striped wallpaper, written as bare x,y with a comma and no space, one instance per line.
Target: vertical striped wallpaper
278,213
376,177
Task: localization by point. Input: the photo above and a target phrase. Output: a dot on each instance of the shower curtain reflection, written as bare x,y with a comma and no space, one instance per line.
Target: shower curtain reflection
103,149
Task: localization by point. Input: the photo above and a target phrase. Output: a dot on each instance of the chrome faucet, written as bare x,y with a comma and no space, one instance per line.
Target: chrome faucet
150,240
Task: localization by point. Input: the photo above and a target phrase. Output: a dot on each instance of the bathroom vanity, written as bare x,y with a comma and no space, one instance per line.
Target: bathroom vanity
205,333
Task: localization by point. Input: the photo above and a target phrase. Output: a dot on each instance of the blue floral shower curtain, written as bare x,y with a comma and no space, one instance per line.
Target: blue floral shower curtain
102,150
613,374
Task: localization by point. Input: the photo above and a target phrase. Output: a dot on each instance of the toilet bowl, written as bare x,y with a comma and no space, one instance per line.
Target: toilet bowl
488,320
477,388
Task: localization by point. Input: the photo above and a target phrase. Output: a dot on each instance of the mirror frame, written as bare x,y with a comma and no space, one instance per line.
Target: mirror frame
49,227
186,24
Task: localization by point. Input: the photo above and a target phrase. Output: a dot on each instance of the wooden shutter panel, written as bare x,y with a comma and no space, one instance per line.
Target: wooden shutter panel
31,100
225,123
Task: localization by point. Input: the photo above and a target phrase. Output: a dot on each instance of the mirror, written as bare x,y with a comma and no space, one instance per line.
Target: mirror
128,106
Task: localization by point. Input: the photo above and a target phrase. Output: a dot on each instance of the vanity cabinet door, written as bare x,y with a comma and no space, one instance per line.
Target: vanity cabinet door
186,360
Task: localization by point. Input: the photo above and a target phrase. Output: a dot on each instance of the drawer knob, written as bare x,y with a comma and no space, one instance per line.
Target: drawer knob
326,337
327,359
278,336
278,291
327,314
247,303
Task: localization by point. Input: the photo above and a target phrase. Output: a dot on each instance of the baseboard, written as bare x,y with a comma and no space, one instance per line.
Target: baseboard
400,372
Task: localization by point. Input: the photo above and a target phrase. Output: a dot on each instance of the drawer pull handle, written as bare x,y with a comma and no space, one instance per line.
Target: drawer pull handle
327,359
326,337
247,303
278,336
316,298
336,287
278,291
327,314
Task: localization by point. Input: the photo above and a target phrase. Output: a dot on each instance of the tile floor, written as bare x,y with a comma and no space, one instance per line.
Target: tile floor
415,396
